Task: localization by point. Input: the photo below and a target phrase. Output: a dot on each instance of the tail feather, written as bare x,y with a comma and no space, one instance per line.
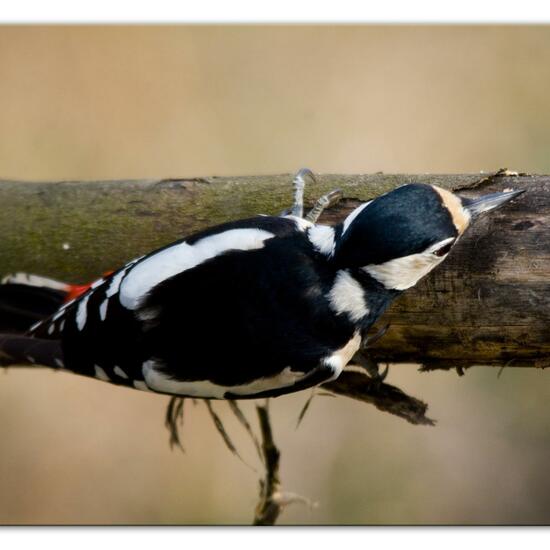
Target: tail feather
21,306
34,280
26,299
21,350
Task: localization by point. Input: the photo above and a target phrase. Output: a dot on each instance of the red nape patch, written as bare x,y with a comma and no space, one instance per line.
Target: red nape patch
76,290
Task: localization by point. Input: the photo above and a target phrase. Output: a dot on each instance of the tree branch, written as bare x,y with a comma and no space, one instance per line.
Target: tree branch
488,304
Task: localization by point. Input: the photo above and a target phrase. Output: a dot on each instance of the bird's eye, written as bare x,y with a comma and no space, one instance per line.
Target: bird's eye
444,249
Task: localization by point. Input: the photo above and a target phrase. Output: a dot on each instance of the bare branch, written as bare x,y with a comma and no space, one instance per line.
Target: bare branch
269,507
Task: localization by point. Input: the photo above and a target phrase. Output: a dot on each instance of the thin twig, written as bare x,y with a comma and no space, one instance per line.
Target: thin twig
225,436
220,427
270,505
244,421
305,408
174,414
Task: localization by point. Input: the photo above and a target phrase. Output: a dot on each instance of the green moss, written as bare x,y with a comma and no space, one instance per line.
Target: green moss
106,223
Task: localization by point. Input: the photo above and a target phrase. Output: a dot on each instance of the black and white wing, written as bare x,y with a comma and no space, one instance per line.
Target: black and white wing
239,310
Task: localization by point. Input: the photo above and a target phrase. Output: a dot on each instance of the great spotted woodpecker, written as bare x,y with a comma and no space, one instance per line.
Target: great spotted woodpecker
252,308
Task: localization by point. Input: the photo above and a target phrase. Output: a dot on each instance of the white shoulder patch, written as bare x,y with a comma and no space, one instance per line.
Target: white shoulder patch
175,259
348,296
322,237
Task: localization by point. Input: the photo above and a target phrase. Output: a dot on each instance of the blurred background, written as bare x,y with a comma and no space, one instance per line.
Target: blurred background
113,102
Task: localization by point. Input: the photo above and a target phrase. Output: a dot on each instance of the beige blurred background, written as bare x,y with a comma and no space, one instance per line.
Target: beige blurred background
134,102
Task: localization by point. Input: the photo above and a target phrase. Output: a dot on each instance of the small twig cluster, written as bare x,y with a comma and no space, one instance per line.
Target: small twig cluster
354,383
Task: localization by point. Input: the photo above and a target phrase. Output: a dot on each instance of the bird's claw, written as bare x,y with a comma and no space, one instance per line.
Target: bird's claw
381,376
369,340
372,369
329,199
377,377
299,185
304,173
297,208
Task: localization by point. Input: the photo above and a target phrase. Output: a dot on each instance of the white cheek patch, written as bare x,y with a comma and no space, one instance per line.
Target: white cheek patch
405,272
166,263
160,382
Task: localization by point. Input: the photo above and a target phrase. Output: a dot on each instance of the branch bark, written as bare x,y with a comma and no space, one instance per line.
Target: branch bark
488,304
384,397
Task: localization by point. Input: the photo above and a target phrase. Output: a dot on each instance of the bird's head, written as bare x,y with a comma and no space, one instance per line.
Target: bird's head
399,237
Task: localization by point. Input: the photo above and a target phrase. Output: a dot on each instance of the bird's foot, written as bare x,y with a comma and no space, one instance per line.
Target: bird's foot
299,183
297,209
377,376
329,199
362,359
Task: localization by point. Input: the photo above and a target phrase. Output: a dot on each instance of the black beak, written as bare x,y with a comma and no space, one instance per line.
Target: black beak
489,202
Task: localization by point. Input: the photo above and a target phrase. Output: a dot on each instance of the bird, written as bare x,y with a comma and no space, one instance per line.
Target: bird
253,308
